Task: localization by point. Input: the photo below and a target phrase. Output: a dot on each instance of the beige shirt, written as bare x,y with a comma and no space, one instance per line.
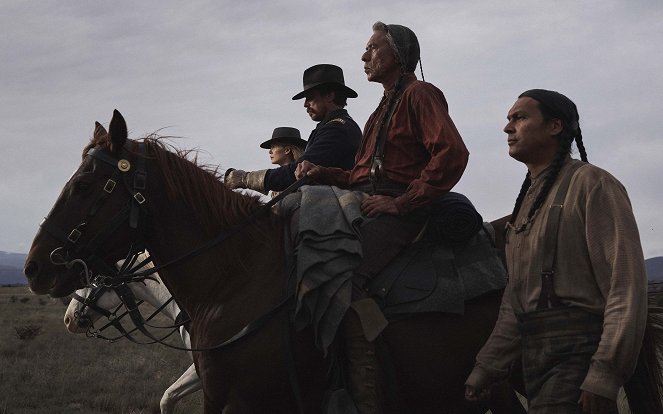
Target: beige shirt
599,268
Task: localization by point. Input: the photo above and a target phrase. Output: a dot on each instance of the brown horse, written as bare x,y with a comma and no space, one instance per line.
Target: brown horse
128,195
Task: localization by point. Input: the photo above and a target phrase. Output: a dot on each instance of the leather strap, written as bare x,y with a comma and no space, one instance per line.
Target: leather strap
548,298
375,174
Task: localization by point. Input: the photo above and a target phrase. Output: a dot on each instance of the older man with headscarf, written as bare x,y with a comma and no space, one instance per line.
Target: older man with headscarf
411,155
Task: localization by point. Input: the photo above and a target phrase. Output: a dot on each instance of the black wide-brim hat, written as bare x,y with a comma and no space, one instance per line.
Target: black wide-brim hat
324,74
285,136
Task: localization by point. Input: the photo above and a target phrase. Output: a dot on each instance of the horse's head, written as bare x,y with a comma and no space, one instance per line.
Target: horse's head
81,315
91,303
93,220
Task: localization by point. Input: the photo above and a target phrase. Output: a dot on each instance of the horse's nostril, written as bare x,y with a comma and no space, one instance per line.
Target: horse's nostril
31,269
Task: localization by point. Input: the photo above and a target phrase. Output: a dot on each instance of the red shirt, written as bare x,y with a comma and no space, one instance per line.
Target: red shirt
423,150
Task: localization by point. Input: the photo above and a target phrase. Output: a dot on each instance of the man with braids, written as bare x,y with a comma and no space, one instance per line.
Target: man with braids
411,155
575,318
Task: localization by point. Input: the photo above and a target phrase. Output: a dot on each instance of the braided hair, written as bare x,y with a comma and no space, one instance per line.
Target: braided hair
553,105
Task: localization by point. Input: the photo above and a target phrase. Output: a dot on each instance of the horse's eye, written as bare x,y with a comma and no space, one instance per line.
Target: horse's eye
83,183
82,186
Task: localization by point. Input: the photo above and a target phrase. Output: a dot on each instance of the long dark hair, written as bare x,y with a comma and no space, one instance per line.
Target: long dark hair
565,110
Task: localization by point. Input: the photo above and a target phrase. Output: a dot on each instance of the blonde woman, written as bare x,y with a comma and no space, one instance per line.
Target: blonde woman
285,147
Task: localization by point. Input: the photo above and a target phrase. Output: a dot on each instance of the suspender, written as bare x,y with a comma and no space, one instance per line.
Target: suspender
375,175
548,298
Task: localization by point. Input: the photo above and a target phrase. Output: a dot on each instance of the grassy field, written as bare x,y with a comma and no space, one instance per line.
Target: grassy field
58,372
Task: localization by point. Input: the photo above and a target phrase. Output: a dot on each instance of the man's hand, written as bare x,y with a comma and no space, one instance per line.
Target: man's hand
474,394
379,204
595,404
307,168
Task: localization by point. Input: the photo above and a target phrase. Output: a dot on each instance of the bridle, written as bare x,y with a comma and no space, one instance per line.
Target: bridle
73,252
87,255
115,316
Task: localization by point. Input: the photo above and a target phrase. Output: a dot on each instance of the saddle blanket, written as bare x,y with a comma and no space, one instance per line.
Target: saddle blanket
429,276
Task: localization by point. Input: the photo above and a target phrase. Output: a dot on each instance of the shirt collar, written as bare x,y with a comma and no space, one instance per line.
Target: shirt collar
405,80
336,113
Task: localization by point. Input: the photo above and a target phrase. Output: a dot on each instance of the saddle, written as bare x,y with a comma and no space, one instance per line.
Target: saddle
454,260
434,275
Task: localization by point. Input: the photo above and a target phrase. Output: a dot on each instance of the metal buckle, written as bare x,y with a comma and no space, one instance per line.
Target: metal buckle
110,186
376,169
74,235
139,198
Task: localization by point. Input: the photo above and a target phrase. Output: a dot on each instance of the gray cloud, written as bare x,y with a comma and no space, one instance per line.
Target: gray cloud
221,75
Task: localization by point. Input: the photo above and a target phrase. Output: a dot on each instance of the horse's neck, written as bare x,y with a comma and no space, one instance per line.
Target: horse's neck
156,294
240,275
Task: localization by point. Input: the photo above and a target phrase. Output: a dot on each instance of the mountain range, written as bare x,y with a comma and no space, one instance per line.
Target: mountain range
11,268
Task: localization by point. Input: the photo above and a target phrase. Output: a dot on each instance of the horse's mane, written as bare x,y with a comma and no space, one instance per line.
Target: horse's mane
199,185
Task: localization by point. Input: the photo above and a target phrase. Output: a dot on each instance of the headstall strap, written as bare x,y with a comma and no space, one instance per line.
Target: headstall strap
88,252
138,185
90,302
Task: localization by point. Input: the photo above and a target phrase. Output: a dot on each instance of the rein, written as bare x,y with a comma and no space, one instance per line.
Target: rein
129,301
115,320
232,231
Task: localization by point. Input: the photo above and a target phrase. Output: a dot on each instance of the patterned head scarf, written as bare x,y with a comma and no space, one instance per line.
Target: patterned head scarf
404,43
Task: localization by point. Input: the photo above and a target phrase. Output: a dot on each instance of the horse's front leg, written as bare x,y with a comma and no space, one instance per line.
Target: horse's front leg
186,384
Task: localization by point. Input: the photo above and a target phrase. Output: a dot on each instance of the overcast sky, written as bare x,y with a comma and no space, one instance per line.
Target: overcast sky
220,74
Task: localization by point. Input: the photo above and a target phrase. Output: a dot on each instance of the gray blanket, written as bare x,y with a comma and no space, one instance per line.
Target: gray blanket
327,250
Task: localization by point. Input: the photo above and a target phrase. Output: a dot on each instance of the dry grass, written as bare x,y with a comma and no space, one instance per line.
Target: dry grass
55,372
58,372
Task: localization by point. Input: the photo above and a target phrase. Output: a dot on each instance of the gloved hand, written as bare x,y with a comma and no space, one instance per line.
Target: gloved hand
235,178
255,180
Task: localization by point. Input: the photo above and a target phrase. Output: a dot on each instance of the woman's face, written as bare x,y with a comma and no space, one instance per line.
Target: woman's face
280,155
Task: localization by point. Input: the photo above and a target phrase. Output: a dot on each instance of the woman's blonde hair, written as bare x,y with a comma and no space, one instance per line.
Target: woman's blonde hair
296,151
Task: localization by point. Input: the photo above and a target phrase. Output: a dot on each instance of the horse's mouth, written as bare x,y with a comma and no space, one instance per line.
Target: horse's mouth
40,285
55,285
63,289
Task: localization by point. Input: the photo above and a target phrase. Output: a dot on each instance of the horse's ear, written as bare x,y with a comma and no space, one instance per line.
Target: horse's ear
117,131
99,132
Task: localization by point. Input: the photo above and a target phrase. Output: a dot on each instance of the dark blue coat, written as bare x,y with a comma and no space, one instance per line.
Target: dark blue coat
333,143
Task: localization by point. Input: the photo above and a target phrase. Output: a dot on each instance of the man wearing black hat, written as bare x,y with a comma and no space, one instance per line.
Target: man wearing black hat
575,307
332,143
411,155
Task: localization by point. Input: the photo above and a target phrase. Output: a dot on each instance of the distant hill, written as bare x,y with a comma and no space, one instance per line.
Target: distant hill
11,276
11,269
12,259
654,268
